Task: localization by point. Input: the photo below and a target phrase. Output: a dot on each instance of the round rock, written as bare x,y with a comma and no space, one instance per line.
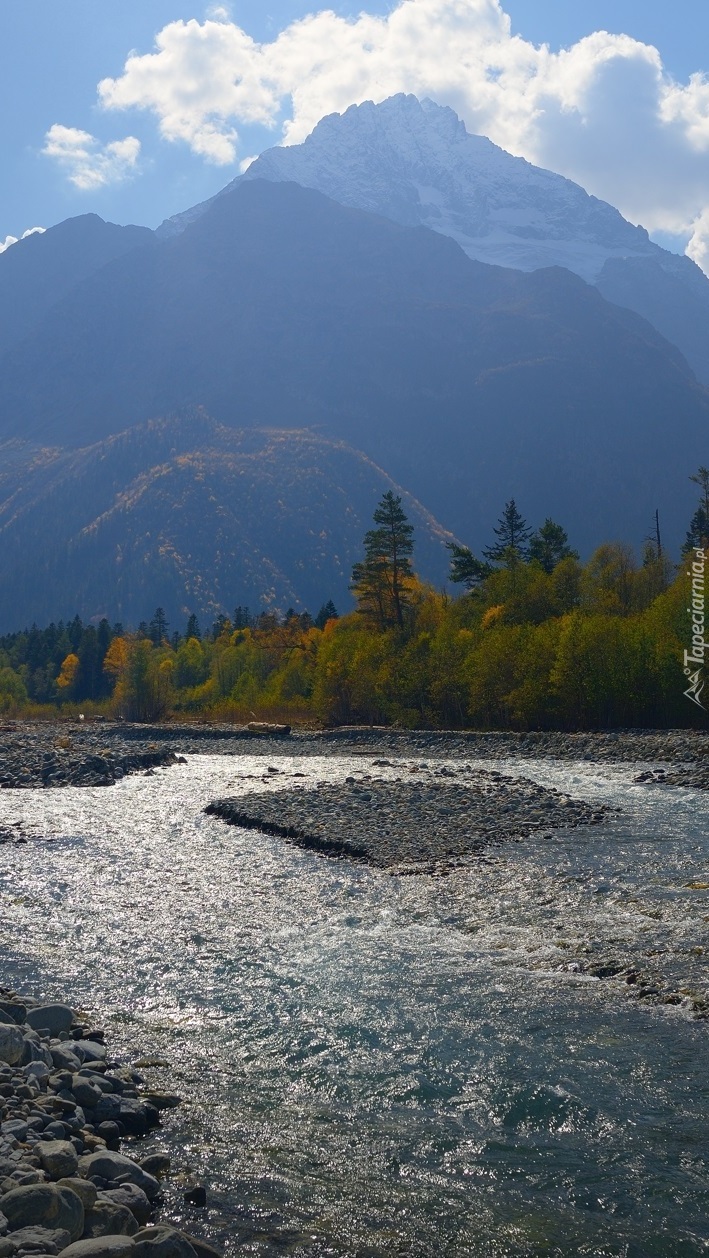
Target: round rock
101,1247
58,1157
12,1043
44,1205
55,1018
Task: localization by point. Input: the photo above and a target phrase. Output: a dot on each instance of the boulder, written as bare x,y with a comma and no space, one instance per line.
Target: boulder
40,1239
82,1188
58,1157
157,1164
45,1205
102,1247
162,1242
108,1218
53,1018
132,1197
12,1043
86,1093
64,1059
201,1248
117,1167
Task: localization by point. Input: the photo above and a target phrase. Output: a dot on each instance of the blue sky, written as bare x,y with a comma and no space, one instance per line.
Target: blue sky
629,124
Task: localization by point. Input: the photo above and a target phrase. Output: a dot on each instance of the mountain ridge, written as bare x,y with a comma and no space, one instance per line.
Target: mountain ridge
414,162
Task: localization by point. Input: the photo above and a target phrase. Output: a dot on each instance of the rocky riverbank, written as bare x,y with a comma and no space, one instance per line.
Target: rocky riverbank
65,1106
99,753
51,756
423,825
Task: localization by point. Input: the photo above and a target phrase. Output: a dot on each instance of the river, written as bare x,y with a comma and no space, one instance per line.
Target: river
378,1065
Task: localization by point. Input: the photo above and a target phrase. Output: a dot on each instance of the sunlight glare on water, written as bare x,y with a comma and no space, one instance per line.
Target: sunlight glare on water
377,1065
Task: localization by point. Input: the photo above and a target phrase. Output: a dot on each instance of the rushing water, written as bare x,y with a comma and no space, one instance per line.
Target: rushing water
377,1065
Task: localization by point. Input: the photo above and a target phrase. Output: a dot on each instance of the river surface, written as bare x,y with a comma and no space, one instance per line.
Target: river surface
378,1065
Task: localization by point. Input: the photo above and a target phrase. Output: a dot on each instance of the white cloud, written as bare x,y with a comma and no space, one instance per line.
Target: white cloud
12,240
90,164
604,112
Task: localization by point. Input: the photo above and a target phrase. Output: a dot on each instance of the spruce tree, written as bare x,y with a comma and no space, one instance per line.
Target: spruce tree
192,630
328,611
512,533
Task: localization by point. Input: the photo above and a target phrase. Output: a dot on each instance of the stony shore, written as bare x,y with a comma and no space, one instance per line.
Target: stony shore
99,753
65,1186
425,824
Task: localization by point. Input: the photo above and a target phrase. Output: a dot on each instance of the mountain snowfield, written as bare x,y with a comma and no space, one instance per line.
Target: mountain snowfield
414,162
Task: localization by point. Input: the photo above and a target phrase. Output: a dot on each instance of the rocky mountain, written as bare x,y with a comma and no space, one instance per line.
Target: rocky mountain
190,516
414,162
469,384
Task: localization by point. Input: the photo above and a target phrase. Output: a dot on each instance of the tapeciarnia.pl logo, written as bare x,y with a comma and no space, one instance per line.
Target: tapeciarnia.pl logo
699,645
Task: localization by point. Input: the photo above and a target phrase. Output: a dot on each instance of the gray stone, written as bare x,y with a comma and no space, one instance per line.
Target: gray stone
102,1247
46,1205
107,1109
132,1197
58,1157
82,1188
201,1248
117,1167
162,1242
55,1018
157,1164
15,1129
37,1070
87,1093
64,1059
89,1050
12,1043
41,1239
108,1218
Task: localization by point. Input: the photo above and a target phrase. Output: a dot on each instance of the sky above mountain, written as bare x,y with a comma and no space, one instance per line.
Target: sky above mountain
137,111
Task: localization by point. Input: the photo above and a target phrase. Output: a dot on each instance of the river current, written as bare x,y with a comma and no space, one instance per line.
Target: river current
379,1065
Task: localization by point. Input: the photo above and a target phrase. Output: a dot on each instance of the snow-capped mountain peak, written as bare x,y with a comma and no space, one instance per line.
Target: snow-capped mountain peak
414,161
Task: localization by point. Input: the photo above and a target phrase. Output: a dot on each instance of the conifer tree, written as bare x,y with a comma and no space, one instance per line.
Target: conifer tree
465,568
512,533
549,545
328,611
380,581
698,532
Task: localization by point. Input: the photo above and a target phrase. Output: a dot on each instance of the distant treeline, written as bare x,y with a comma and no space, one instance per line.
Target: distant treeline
536,640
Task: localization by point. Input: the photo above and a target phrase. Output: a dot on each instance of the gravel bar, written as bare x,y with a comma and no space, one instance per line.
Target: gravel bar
421,826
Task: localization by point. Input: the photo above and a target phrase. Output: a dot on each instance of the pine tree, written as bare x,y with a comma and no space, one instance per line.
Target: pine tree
698,532
549,545
465,568
192,630
512,536
380,581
